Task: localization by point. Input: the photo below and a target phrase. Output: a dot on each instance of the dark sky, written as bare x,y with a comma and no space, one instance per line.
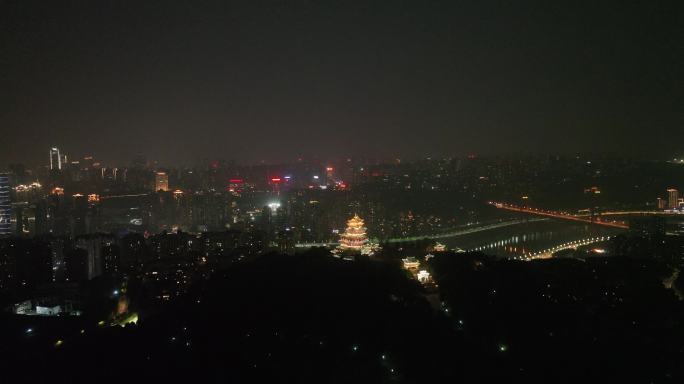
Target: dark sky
188,80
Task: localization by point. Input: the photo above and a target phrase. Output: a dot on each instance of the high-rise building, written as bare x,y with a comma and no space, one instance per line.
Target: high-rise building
97,253
661,203
329,175
672,198
161,181
5,206
55,159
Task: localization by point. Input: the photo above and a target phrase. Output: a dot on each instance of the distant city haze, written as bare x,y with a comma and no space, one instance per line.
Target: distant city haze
183,82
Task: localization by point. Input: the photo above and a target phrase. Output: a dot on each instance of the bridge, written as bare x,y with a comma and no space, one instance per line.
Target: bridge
548,253
640,213
560,215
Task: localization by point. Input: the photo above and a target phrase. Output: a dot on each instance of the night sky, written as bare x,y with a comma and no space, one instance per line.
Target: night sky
187,81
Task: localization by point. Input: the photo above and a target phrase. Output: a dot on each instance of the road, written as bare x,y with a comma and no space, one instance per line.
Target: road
559,215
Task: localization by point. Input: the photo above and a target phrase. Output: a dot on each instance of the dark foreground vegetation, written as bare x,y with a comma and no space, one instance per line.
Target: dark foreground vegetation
314,318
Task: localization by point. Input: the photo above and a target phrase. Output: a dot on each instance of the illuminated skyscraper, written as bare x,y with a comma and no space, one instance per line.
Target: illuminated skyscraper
329,175
55,159
661,203
161,182
672,198
5,206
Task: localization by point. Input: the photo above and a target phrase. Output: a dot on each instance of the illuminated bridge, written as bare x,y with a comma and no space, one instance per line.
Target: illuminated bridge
590,219
548,253
634,213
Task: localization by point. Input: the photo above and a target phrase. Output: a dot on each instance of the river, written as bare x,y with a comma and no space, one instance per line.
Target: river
528,237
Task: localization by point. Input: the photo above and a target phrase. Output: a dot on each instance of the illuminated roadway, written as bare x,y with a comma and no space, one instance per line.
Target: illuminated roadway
627,213
559,215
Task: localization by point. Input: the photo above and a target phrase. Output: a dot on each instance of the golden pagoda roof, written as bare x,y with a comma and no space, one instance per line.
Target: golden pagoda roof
355,221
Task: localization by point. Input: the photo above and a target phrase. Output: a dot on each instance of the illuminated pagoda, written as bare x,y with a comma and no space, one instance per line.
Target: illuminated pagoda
354,237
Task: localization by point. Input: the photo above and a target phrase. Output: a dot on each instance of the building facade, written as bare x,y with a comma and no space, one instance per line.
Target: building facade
55,159
161,182
5,206
672,198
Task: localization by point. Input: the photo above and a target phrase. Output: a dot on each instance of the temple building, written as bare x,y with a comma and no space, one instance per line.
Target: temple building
354,237
411,264
354,240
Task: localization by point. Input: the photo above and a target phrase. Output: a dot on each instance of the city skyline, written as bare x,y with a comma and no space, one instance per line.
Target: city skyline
58,159
306,191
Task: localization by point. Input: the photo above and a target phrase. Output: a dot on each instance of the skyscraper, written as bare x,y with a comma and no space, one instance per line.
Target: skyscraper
55,159
329,176
5,206
161,182
661,203
672,198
